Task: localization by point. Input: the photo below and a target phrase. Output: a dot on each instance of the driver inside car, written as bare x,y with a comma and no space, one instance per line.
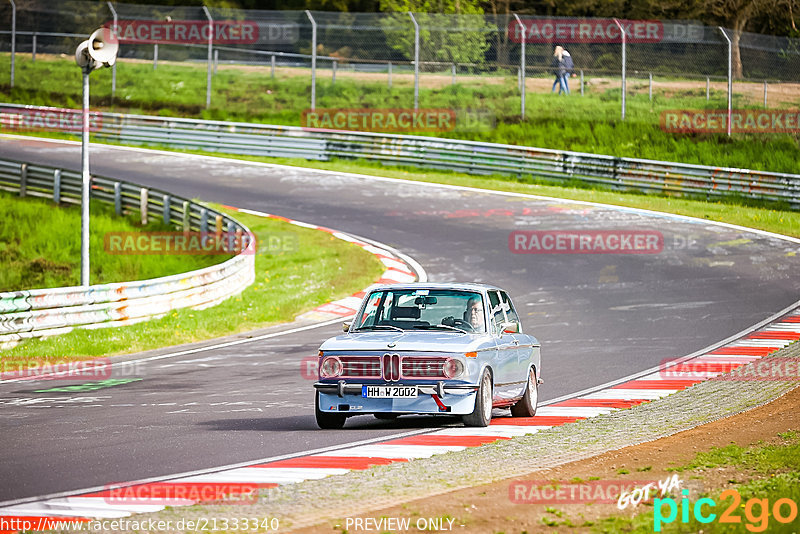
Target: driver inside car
473,316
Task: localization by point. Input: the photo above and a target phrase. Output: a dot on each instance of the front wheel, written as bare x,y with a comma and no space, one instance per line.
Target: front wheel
327,420
482,414
526,406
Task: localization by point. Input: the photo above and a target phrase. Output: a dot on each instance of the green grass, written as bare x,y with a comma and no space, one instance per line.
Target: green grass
773,471
41,248
587,124
321,269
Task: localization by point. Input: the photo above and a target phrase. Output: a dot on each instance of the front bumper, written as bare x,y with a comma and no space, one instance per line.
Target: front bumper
436,398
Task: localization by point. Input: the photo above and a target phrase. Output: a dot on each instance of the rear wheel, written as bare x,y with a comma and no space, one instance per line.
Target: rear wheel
327,420
482,414
526,406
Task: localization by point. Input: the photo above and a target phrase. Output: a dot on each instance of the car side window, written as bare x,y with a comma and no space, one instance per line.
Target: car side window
496,311
511,313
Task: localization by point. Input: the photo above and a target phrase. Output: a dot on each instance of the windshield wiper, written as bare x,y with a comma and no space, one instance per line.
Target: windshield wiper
448,327
379,326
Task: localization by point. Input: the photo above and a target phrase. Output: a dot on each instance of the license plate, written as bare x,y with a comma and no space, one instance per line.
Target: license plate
389,392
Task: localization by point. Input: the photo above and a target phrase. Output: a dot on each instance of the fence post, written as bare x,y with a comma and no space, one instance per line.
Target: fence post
454,74
730,82
33,48
333,79
155,56
272,66
23,179
13,37
216,60
650,89
708,88
390,75
581,82
187,219
57,186
208,60
114,66
118,198
624,61
203,221
143,194
231,236
522,68
313,60
416,61
765,94
167,210
218,227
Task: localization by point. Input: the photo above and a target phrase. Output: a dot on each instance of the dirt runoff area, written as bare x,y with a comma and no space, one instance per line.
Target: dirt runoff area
493,507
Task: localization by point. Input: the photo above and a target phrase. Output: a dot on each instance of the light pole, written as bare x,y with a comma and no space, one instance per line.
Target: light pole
100,50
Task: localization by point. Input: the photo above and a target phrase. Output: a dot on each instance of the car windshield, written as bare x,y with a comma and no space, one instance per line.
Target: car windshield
423,309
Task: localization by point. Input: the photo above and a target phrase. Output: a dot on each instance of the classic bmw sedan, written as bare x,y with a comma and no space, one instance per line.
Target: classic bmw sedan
424,348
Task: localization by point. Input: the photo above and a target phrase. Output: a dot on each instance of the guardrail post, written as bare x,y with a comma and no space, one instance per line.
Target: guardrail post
167,209
187,218
218,227
333,78
230,236
143,204
57,186
155,56
416,61
272,67
389,82
204,220
23,179
33,48
313,60
118,198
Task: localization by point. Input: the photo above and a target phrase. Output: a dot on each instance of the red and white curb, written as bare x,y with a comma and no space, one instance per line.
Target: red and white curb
135,498
397,269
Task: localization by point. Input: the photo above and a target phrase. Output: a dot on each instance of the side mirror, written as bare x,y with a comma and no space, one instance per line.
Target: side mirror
510,328
346,326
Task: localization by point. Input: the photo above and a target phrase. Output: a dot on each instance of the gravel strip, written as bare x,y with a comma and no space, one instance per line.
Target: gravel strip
357,492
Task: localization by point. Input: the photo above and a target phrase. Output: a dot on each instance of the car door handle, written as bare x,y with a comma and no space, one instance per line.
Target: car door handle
515,342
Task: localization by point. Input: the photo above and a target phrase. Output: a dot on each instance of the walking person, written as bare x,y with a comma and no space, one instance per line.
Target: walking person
559,70
569,66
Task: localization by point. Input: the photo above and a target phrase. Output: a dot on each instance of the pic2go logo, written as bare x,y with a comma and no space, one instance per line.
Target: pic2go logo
756,511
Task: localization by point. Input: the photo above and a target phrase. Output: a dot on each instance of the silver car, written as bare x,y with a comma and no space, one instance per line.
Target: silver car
454,349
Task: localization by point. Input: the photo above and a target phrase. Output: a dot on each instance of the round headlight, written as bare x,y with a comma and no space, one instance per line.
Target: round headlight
453,368
331,367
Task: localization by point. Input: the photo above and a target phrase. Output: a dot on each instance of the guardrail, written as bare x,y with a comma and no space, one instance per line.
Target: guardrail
429,152
47,312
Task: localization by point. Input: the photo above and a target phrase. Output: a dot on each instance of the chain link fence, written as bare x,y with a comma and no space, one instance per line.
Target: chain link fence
346,55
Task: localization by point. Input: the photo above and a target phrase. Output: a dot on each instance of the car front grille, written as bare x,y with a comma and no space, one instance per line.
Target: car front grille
361,366
393,367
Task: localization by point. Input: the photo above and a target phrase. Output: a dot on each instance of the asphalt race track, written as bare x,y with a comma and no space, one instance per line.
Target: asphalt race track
600,317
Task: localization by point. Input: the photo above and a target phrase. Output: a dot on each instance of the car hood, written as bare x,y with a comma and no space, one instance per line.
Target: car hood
436,341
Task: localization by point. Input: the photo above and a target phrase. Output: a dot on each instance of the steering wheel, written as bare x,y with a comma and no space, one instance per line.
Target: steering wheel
464,325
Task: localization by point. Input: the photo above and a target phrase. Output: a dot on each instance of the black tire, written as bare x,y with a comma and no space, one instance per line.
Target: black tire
386,416
482,414
327,420
526,406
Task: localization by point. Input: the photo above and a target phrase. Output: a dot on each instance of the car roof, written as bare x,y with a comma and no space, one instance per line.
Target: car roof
467,286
